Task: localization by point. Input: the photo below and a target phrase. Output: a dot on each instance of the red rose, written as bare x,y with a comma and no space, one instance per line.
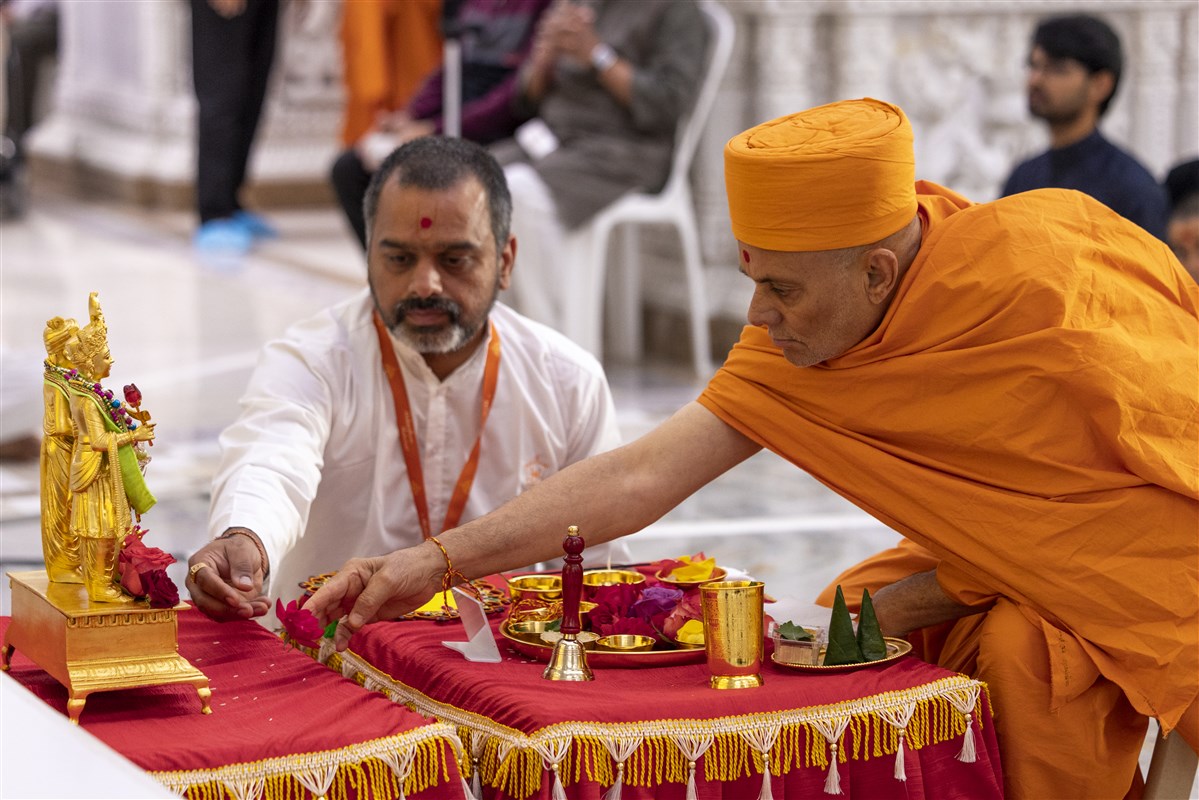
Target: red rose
132,396
300,624
689,608
137,561
141,558
612,603
160,589
131,581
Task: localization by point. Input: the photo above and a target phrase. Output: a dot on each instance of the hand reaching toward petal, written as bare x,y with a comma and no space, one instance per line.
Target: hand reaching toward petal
367,590
229,586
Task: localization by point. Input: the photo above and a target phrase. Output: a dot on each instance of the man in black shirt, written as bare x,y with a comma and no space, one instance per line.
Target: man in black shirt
1073,73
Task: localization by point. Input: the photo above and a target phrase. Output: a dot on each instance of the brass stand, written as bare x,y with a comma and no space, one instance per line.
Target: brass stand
95,647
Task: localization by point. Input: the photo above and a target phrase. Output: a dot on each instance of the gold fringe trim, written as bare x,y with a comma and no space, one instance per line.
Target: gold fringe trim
513,762
360,770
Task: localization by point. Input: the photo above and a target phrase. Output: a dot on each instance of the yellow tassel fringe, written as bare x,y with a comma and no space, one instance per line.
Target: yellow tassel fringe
358,771
509,761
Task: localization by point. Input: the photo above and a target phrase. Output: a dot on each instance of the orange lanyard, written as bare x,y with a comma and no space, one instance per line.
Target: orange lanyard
408,443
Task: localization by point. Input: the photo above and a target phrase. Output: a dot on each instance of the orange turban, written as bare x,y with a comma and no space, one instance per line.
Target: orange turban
834,176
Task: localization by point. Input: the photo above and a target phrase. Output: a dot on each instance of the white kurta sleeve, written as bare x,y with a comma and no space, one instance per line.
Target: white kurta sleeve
593,430
592,415
271,457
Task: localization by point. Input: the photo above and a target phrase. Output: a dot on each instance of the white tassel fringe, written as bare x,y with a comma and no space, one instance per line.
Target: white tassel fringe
968,754
617,787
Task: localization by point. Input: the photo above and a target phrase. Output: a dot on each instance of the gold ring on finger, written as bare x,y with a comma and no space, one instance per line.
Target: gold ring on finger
195,568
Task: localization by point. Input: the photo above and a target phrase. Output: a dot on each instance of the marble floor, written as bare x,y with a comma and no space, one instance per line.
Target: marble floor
188,333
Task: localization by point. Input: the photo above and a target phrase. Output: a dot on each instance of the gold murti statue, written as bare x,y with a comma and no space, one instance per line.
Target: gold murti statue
72,619
106,484
59,547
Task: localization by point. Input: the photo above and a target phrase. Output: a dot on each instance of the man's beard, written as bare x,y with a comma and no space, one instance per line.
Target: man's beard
1065,112
436,339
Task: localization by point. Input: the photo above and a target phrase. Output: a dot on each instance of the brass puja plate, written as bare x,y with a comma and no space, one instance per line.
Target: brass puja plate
534,648
896,648
494,600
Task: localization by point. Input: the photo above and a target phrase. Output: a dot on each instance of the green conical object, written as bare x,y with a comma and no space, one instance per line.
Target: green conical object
870,635
842,642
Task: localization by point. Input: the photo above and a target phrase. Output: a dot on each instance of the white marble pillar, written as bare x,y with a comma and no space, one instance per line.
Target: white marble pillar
1187,120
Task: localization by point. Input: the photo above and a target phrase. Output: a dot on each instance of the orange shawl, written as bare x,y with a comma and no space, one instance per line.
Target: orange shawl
1027,411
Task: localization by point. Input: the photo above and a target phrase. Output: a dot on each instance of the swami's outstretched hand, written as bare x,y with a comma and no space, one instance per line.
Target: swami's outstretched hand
367,590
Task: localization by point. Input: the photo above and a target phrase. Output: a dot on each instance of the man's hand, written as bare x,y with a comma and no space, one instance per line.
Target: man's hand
390,121
230,586
366,590
228,8
569,30
915,602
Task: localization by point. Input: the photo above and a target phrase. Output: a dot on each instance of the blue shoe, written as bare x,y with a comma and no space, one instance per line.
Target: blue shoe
223,237
258,227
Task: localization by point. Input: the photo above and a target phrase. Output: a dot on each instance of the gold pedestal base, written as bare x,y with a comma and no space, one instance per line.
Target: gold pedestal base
95,647
735,681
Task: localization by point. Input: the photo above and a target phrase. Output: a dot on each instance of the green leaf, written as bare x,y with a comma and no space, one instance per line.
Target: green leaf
796,633
842,642
870,635
330,629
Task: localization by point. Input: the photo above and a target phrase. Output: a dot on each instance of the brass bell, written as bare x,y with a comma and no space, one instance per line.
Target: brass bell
569,660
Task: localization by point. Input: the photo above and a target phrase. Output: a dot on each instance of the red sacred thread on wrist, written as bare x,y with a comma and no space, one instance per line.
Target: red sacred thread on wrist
266,564
451,575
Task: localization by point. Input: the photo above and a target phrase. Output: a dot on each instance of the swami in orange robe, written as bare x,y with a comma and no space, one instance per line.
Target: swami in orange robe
1025,414
388,48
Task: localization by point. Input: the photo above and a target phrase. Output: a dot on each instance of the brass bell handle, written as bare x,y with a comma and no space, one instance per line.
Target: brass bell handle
572,581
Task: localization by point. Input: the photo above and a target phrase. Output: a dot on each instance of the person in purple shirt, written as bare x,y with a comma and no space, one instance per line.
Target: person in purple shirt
1073,73
496,37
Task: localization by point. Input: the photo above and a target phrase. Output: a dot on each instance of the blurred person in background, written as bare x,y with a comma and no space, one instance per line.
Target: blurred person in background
388,47
30,42
607,84
1182,231
1073,73
233,47
496,37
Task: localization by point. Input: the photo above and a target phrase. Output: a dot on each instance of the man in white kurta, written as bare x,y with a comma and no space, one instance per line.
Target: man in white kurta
417,404
313,465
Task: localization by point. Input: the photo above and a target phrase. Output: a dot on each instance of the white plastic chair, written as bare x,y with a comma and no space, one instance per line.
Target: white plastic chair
587,248
1171,770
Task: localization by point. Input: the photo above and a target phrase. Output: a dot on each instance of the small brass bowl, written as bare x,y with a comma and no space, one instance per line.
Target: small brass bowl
536,587
529,630
718,574
595,578
625,643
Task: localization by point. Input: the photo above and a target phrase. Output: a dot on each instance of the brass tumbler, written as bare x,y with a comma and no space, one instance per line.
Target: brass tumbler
733,633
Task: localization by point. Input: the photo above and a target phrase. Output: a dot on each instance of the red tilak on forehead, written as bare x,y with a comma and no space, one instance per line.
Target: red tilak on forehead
745,256
425,222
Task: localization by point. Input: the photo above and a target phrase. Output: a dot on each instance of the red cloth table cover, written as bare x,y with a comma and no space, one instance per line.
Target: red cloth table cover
521,729
282,726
